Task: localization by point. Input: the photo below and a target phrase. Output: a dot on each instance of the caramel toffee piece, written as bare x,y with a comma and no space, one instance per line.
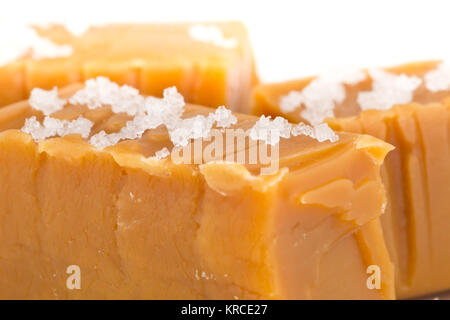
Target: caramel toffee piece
209,63
140,225
416,174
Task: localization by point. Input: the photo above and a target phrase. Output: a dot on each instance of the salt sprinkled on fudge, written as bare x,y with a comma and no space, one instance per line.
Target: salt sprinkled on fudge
56,127
167,110
224,117
191,128
101,91
150,113
303,129
153,112
388,90
321,132
211,34
199,126
46,101
17,41
439,78
270,131
321,95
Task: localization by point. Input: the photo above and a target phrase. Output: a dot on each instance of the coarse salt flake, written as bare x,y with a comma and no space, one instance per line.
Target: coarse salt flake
56,127
270,131
46,101
388,89
321,132
439,78
223,117
211,34
183,130
321,95
25,40
303,129
152,113
190,128
101,91
167,110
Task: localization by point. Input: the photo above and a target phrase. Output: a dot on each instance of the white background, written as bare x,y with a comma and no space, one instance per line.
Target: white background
290,38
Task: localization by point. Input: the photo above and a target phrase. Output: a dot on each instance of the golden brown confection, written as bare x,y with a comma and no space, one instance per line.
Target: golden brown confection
416,174
143,227
212,66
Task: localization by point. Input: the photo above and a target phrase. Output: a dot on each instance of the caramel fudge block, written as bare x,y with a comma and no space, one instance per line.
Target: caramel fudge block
209,63
417,173
78,191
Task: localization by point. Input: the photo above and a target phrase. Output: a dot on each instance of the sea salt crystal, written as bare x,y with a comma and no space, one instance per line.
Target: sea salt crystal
181,131
161,154
223,117
321,95
149,113
167,110
291,101
102,140
42,48
56,127
439,78
303,129
46,101
191,128
270,131
16,41
133,129
62,128
101,91
321,132
34,128
212,34
152,113
388,90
